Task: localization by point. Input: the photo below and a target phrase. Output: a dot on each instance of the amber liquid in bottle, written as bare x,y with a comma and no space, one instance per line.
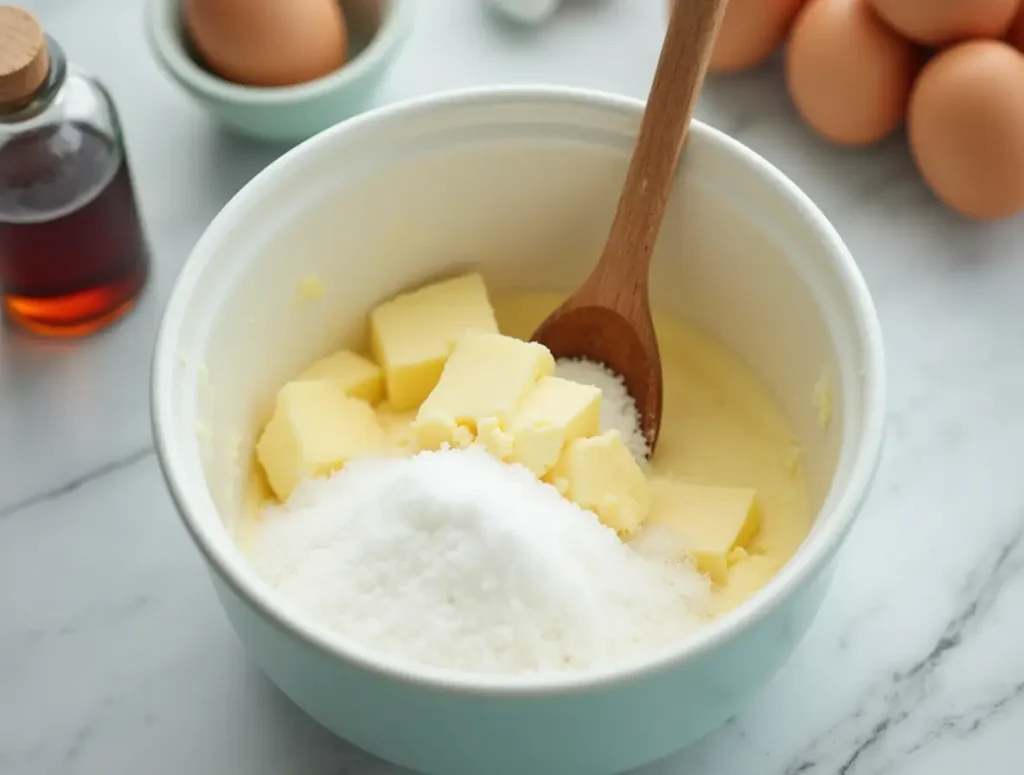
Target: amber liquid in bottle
73,256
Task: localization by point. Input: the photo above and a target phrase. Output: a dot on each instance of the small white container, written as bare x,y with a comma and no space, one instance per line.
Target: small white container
520,183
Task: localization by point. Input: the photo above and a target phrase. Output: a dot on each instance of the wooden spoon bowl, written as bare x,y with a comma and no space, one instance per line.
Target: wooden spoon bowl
608,318
619,335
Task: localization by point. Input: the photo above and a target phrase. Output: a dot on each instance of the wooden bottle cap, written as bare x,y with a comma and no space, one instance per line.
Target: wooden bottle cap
24,61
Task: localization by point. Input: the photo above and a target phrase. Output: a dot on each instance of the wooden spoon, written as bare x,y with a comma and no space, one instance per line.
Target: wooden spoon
608,318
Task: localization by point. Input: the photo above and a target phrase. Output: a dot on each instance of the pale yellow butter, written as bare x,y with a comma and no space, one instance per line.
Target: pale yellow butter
413,334
554,413
600,475
398,427
357,376
713,521
485,381
316,429
744,579
310,289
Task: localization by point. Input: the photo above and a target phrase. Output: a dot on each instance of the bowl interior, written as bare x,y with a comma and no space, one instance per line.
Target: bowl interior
522,186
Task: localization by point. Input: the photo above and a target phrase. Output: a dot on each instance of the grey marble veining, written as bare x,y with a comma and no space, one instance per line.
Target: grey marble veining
115,658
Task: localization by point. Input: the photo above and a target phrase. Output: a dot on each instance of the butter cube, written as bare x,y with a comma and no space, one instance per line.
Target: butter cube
713,521
554,413
413,334
745,578
484,382
316,429
355,375
398,427
600,475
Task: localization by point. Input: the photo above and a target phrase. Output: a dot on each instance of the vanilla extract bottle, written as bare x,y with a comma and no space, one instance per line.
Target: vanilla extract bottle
73,255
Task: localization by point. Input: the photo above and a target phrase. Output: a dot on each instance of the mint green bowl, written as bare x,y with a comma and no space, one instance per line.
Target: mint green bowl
520,183
280,114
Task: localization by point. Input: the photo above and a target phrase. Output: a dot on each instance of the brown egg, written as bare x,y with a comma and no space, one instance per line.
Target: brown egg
849,75
268,43
966,127
939,22
750,33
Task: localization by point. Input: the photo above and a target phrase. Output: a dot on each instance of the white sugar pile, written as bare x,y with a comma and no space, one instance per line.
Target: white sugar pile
618,409
455,560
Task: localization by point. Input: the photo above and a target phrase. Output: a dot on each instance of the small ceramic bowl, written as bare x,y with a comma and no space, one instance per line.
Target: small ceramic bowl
520,184
290,113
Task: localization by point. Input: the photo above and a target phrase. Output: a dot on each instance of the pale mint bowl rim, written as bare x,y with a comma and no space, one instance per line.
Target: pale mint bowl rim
814,553
166,42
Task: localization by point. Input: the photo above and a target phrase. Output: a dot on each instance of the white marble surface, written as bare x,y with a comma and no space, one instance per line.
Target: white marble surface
115,659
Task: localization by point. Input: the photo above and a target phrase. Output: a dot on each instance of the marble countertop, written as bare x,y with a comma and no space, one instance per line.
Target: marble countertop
116,659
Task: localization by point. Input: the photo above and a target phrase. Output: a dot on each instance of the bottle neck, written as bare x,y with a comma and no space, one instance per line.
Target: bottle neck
48,90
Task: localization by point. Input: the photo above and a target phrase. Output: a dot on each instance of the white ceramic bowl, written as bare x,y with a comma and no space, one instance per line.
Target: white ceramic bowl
520,183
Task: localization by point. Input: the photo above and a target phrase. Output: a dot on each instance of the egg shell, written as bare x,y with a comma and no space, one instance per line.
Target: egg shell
966,128
940,22
751,31
268,43
849,74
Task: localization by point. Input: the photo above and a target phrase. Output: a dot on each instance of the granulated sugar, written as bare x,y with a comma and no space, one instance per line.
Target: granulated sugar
455,560
618,409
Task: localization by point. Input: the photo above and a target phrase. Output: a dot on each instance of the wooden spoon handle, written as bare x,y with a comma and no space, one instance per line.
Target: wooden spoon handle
692,29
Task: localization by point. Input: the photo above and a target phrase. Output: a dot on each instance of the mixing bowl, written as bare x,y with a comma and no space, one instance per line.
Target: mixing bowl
521,184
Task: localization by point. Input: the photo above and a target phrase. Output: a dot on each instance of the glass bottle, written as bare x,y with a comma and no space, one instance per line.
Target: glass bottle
73,256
